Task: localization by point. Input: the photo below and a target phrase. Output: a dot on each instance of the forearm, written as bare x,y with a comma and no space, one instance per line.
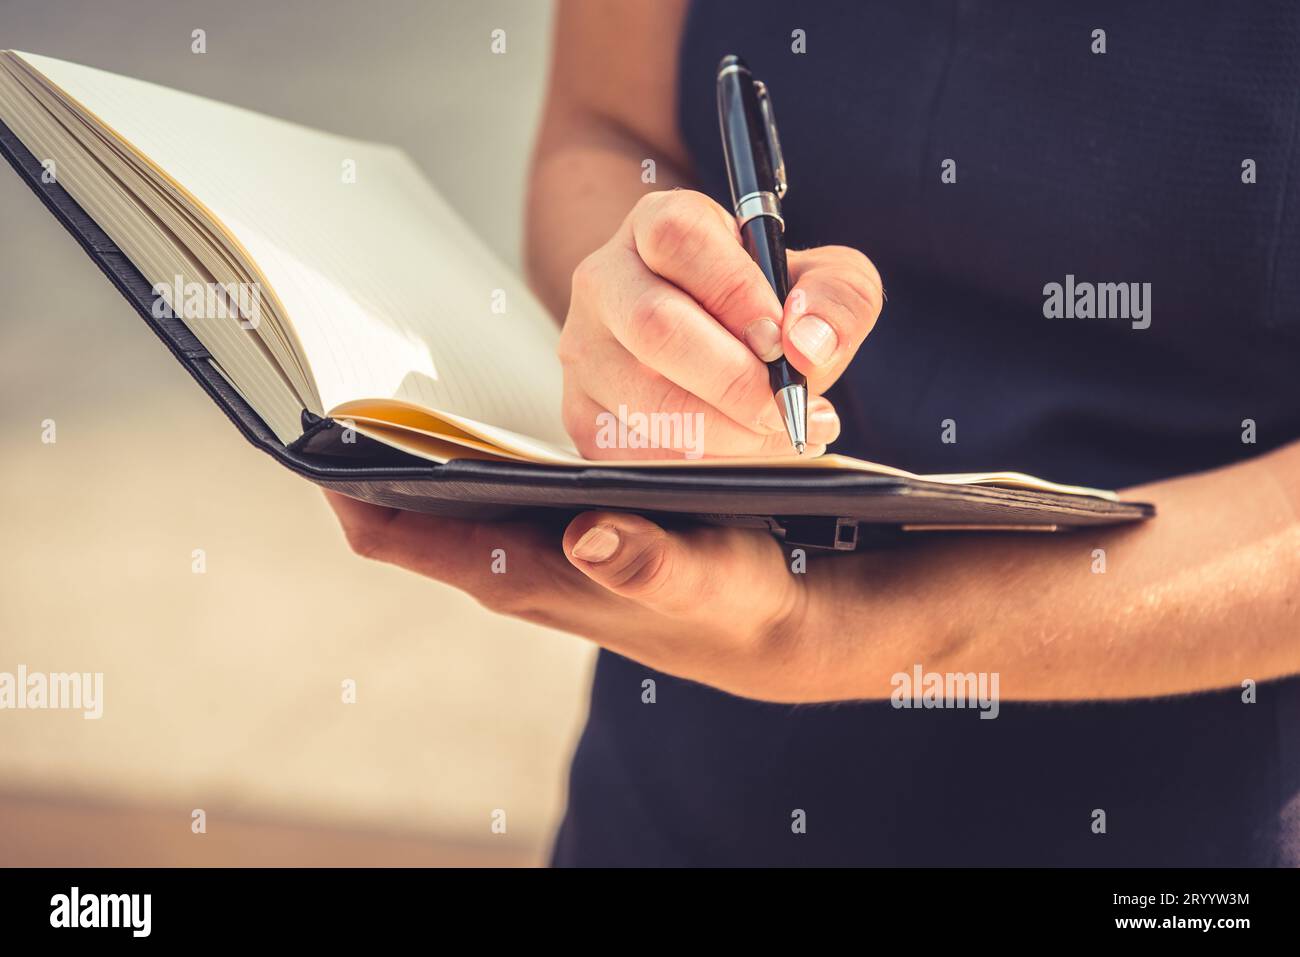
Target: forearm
587,175
1205,596
609,108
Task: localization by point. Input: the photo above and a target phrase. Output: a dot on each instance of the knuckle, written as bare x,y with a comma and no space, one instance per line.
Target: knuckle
654,324
733,286
672,199
366,540
677,231
828,265
853,293
572,347
646,574
671,399
514,600
585,278
743,391
644,208
862,275
872,273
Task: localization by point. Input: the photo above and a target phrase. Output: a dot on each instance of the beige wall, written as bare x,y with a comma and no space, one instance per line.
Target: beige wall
222,689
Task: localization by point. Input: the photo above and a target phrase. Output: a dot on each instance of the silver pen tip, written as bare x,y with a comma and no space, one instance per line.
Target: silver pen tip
793,402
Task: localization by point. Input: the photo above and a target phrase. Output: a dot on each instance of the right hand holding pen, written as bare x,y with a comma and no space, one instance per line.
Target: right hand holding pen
672,316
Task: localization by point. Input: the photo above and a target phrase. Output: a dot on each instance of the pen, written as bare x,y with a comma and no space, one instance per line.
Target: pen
756,174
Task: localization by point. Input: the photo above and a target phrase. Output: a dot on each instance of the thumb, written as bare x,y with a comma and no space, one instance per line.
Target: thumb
633,557
832,307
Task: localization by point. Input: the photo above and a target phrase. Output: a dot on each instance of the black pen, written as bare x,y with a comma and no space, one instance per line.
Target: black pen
756,174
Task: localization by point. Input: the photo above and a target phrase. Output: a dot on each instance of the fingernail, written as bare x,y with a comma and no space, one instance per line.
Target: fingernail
598,545
815,339
763,336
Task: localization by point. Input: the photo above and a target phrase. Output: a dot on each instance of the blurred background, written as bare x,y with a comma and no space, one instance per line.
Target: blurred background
223,690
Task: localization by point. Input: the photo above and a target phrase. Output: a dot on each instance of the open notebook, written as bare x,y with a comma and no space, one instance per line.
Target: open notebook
348,288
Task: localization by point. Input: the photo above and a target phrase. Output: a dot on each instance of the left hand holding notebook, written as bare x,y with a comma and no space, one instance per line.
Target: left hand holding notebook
669,600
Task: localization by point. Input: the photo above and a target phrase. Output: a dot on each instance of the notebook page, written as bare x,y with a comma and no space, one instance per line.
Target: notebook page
150,245
388,292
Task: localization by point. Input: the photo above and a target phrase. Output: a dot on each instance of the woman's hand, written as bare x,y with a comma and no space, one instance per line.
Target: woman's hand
714,605
672,316
721,606
669,316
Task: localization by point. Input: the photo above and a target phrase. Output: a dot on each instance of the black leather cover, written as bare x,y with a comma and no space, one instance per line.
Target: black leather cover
832,509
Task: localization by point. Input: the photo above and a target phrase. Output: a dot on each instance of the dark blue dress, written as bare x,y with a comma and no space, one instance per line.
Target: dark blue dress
1117,167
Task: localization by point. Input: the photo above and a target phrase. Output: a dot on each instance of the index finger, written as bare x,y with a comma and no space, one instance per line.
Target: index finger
692,242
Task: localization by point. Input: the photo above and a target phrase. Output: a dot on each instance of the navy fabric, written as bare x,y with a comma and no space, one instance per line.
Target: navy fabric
1116,167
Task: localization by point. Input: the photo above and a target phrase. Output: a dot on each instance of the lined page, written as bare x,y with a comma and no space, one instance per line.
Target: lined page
389,293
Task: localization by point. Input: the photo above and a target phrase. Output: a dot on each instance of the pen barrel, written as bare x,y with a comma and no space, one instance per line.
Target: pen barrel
751,174
750,166
781,374
764,239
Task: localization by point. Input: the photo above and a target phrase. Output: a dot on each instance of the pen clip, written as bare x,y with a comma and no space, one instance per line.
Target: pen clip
773,141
